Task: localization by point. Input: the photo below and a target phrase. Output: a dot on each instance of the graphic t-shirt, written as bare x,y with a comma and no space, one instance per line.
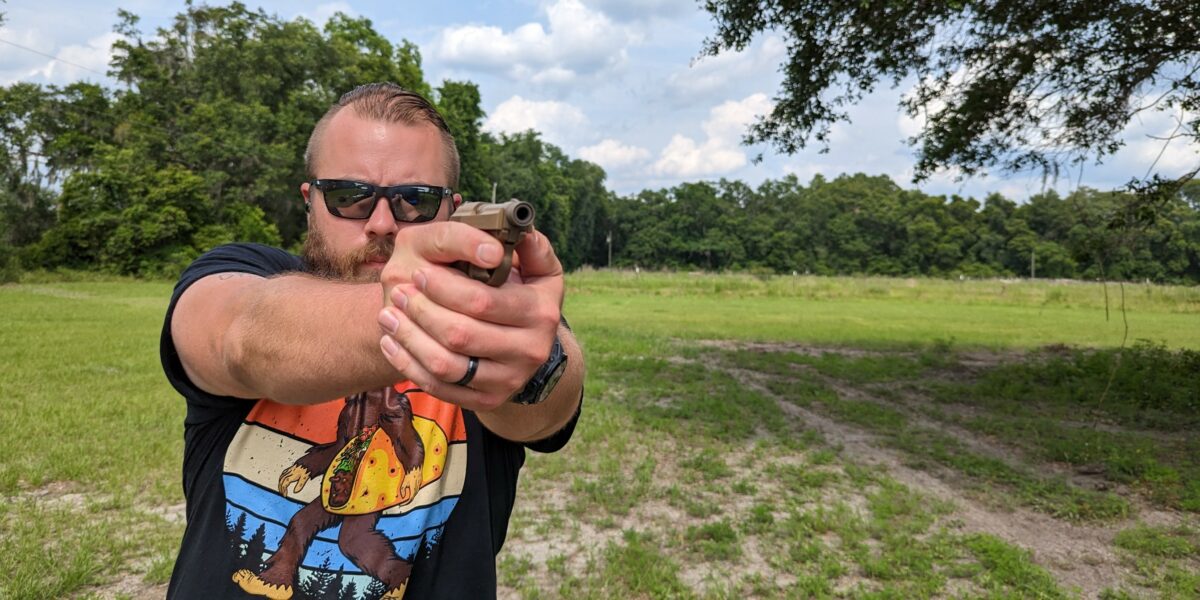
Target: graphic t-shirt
389,493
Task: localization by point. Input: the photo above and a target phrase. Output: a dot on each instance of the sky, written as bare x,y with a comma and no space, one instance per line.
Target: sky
617,82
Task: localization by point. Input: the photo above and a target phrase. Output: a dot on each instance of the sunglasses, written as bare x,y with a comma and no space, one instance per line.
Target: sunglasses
357,200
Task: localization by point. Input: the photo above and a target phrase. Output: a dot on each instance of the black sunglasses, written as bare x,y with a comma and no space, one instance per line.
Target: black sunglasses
357,200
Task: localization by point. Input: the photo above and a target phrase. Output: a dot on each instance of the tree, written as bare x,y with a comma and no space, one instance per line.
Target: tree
256,548
1015,85
459,104
349,591
375,590
237,533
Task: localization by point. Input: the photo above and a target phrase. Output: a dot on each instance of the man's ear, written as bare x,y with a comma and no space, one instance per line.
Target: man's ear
457,200
305,188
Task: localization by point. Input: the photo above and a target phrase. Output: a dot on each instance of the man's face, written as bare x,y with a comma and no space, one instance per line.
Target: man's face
372,152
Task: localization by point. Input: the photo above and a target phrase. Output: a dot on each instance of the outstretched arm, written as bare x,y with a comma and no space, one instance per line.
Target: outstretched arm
294,338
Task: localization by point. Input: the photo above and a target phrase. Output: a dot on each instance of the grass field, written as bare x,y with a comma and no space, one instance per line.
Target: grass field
788,437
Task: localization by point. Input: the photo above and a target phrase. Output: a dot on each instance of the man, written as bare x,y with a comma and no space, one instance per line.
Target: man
350,439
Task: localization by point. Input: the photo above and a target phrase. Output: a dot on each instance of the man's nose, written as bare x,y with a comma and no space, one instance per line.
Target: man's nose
381,223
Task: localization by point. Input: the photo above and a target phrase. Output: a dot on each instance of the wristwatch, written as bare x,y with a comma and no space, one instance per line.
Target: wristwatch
545,378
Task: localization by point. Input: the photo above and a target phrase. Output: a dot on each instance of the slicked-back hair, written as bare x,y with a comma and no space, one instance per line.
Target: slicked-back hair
389,103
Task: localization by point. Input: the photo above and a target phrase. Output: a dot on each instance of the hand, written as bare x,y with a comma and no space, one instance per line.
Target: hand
439,318
294,474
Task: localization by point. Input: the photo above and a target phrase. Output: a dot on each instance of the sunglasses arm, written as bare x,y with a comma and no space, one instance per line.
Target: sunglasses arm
507,222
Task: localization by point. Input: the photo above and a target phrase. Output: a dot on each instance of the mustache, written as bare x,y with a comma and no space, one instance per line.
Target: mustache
374,248
327,262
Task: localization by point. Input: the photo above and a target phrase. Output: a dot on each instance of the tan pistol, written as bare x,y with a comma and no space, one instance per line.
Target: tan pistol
508,222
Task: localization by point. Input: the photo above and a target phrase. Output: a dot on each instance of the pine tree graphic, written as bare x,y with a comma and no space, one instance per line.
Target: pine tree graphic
255,548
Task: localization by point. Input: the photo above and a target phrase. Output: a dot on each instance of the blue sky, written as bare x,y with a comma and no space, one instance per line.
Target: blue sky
617,82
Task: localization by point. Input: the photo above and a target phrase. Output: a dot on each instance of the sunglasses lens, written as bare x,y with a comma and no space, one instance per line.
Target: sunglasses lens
416,204
356,200
349,202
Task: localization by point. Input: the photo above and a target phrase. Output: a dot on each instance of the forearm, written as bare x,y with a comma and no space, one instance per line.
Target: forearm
300,340
530,423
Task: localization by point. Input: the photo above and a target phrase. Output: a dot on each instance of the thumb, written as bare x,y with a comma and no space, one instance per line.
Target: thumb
537,257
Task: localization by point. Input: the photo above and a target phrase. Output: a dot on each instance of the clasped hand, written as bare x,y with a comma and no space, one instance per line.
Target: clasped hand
435,318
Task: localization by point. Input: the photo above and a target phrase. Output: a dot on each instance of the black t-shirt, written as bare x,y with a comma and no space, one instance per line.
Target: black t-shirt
387,492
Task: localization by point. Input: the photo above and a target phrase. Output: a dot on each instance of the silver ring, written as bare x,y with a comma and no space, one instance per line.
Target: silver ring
472,366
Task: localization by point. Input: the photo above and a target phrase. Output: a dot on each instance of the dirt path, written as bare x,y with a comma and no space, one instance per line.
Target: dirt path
1080,556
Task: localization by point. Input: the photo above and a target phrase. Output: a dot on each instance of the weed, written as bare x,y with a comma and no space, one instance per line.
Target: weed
1160,542
639,567
1010,570
715,541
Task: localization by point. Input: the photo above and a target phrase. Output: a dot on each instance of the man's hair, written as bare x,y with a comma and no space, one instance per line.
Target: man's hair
389,103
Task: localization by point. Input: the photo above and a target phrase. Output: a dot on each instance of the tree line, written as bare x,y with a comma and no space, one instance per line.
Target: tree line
201,143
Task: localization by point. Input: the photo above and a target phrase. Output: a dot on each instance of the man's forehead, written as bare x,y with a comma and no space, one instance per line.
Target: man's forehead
352,146
348,122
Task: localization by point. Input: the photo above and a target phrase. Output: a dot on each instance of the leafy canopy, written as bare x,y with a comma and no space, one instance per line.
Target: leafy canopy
1017,85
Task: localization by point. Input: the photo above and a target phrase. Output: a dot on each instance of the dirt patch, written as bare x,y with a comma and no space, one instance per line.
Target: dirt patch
130,586
174,513
801,349
1080,556
56,494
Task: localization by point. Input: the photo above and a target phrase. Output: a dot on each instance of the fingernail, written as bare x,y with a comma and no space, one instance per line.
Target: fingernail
400,300
388,322
488,253
420,280
389,345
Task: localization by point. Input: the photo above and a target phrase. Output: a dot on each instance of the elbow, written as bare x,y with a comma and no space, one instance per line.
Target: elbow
238,352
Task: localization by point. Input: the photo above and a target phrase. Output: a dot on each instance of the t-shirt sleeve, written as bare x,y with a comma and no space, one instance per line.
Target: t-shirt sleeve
558,439
255,259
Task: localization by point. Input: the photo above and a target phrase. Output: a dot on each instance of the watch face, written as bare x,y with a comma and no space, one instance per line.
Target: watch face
545,378
552,381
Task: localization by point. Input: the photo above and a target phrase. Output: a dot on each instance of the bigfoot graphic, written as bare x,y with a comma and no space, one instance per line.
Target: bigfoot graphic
374,464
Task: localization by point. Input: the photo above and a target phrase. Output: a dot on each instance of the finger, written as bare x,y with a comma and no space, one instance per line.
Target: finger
511,305
449,242
462,334
465,397
538,258
447,366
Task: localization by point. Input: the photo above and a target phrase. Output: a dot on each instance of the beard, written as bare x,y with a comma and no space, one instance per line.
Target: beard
326,262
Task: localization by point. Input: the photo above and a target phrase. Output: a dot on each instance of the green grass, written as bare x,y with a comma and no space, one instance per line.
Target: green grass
682,481
1160,557
80,381
1060,407
879,312
927,446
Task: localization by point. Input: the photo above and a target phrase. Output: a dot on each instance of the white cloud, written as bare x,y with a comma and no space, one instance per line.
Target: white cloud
613,155
88,61
714,74
1148,145
721,152
558,122
578,42
910,126
16,62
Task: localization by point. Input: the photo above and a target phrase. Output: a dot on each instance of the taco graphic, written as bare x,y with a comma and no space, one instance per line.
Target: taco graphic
366,476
